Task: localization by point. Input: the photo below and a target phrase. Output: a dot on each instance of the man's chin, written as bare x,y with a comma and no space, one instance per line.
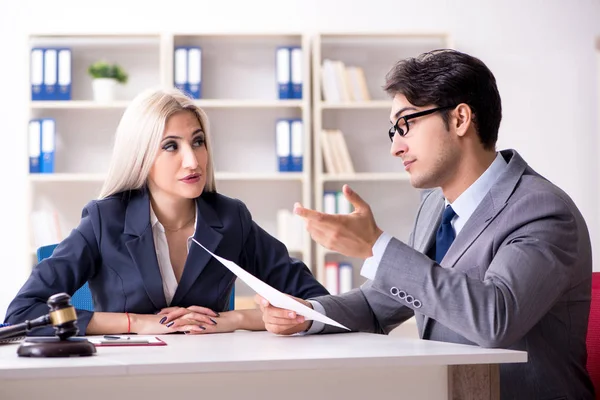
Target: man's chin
420,183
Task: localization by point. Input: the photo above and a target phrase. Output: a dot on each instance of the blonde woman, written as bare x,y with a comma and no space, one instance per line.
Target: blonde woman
134,244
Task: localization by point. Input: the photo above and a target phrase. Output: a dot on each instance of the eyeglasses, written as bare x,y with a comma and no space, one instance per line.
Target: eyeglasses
403,130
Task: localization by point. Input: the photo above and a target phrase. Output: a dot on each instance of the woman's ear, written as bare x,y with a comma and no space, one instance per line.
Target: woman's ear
462,119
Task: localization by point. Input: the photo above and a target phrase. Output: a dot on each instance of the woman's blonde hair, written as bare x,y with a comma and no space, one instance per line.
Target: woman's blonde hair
138,137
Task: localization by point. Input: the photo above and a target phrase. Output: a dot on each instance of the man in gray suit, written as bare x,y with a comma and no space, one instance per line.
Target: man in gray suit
498,255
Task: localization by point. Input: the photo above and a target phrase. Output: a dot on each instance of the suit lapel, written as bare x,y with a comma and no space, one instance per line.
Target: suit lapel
142,248
429,221
479,220
491,205
197,259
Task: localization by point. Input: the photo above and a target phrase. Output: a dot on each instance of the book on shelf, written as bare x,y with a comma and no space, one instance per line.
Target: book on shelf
289,73
335,152
296,145
340,83
41,144
336,203
50,77
338,277
296,72
187,70
289,143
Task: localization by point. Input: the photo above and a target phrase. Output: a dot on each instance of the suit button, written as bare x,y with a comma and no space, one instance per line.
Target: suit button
409,299
394,291
417,304
402,294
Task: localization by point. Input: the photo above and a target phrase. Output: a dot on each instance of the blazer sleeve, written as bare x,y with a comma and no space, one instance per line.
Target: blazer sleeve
529,272
363,310
73,263
268,259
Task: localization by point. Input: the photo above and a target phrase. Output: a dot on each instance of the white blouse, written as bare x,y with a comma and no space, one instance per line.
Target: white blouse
162,255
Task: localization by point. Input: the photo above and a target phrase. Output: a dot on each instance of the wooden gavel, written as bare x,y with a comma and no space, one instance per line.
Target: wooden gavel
63,318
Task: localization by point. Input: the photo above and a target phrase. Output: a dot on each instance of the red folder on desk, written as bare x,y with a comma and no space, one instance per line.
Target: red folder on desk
126,341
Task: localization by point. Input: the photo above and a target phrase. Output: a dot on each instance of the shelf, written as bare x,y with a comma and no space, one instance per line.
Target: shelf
219,176
366,177
78,104
395,35
275,176
66,177
366,105
94,40
92,105
217,103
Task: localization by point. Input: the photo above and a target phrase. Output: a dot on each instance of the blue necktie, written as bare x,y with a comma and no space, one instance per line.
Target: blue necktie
445,234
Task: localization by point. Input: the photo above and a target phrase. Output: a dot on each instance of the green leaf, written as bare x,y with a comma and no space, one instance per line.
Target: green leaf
103,69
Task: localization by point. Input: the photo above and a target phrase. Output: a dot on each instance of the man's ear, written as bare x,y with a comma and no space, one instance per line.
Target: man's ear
462,119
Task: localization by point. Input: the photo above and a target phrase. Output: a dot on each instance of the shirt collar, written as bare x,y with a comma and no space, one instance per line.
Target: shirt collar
467,202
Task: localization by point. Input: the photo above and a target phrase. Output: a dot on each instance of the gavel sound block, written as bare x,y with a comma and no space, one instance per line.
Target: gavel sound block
63,318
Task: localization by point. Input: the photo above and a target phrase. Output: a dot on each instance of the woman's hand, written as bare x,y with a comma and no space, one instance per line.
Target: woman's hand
148,324
226,322
195,319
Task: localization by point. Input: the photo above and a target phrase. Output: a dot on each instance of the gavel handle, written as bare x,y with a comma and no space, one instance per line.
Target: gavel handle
23,327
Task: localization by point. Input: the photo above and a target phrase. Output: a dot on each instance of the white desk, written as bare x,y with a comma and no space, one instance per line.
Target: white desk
253,365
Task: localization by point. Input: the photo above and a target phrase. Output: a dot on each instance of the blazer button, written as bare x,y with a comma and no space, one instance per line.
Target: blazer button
409,299
417,303
394,291
402,294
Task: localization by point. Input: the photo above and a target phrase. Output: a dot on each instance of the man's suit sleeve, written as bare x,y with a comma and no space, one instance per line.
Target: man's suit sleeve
529,271
73,262
364,309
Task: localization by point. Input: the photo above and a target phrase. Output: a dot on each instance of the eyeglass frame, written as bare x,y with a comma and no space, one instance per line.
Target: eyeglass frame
394,129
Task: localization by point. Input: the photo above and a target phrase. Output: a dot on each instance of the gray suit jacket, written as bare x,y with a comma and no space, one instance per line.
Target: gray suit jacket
518,276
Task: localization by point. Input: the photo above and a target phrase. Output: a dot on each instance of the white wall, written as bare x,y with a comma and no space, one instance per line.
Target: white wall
542,53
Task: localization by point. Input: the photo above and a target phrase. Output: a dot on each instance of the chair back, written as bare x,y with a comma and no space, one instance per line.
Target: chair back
82,298
593,335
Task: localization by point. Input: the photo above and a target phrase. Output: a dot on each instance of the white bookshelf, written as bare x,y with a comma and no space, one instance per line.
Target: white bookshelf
242,112
379,177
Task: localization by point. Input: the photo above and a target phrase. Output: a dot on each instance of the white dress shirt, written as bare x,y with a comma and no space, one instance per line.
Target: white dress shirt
463,206
162,255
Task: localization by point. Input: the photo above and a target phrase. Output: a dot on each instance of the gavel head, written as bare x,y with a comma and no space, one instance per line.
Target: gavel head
63,316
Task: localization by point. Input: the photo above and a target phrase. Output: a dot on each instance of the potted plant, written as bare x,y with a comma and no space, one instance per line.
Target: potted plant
105,78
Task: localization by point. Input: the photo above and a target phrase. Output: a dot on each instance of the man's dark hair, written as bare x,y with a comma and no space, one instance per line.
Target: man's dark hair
447,78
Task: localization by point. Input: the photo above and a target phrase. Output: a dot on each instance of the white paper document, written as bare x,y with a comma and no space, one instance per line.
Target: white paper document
274,296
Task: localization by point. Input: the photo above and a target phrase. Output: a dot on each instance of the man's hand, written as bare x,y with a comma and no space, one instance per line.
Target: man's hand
280,321
352,234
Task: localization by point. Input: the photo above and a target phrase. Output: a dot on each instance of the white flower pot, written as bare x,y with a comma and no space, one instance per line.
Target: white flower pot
104,89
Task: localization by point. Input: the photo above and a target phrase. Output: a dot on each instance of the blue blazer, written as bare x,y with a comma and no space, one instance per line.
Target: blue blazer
113,249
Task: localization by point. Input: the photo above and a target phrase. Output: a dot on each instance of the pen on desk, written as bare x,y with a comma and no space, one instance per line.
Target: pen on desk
115,337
